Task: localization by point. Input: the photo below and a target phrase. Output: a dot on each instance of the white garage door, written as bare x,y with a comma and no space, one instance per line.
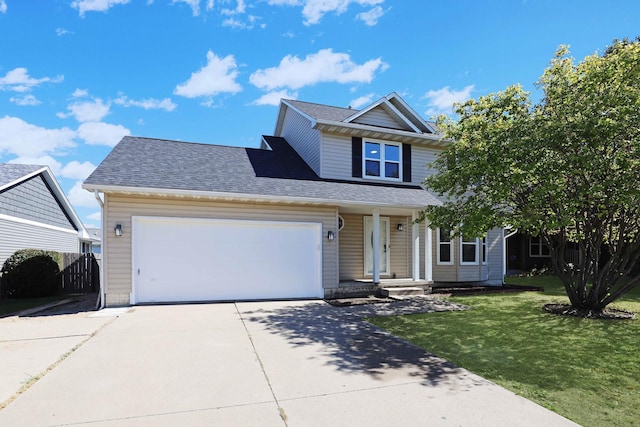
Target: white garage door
185,259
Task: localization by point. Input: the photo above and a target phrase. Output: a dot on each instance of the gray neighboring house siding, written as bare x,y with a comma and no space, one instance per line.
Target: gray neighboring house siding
31,215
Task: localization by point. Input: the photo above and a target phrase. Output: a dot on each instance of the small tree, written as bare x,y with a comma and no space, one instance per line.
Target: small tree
566,168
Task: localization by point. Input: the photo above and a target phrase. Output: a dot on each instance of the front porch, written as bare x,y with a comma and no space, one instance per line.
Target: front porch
364,287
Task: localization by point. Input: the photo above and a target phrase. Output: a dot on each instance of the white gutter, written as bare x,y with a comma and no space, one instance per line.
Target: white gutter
238,196
101,300
504,251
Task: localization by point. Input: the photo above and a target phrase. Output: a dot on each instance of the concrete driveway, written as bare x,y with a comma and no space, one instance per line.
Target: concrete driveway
302,363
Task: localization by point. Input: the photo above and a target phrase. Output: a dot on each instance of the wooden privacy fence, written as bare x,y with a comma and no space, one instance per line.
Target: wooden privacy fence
80,273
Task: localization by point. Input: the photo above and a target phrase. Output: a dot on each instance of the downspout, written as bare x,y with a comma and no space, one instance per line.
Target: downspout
101,302
504,251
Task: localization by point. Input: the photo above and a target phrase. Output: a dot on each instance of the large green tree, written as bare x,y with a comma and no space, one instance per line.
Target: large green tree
566,168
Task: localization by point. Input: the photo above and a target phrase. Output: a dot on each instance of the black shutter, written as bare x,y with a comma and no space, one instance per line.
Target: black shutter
406,162
356,157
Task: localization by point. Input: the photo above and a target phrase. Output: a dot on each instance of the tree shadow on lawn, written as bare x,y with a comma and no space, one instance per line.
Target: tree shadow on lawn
351,344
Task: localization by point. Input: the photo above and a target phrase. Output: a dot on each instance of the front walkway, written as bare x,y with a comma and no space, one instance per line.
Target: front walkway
303,363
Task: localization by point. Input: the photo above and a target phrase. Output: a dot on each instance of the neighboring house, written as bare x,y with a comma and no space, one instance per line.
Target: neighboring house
526,253
34,213
96,239
323,208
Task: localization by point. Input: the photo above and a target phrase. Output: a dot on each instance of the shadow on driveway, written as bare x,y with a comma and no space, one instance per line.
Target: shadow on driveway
350,344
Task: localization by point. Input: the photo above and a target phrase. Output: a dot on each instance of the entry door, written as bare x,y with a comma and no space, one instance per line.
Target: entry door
368,245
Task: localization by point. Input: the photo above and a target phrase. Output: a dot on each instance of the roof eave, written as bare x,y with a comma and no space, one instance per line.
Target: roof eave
238,197
378,132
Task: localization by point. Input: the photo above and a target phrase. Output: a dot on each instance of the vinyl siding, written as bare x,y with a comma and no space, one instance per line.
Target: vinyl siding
336,159
303,138
379,117
16,235
119,210
491,272
351,239
32,200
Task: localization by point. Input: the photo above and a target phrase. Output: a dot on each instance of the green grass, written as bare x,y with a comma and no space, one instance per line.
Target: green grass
586,370
9,306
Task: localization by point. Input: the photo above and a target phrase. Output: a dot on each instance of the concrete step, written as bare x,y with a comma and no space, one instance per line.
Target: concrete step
401,291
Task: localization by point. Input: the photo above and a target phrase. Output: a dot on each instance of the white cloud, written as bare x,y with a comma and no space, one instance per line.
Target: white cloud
18,80
24,139
89,111
80,93
242,25
148,103
361,101
441,100
98,133
240,9
314,10
3,6
53,164
273,98
321,67
371,17
96,216
27,100
77,170
81,197
62,31
218,76
193,4
95,5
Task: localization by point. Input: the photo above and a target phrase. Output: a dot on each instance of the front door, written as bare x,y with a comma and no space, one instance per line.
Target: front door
368,245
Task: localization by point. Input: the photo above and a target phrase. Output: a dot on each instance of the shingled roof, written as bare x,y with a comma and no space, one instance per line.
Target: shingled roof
146,165
10,172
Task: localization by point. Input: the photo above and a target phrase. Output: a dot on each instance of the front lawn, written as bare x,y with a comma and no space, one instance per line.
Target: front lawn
586,370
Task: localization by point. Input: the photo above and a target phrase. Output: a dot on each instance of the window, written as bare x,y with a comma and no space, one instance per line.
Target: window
445,247
468,251
484,250
382,160
537,247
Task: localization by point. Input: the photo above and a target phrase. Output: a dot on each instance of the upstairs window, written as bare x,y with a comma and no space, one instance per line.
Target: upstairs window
382,160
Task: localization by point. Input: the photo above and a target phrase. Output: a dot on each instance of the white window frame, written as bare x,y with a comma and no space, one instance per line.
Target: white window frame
381,160
438,243
540,244
484,251
463,243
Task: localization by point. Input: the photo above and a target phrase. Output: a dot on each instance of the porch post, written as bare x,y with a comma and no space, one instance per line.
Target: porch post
376,246
415,239
428,253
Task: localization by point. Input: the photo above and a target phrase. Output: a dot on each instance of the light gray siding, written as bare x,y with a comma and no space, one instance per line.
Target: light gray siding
32,200
117,251
495,242
421,157
379,117
303,138
15,234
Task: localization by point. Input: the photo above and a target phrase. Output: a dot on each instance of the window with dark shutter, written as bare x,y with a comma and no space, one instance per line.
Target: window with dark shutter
406,162
356,157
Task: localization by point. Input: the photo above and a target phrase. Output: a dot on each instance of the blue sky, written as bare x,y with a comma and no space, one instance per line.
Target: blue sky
77,75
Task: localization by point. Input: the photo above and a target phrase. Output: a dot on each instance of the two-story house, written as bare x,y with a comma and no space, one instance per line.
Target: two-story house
324,208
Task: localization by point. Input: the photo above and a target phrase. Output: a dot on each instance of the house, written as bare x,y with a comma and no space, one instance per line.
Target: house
526,253
325,207
35,213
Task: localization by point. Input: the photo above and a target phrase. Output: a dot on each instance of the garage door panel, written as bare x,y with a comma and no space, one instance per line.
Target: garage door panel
199,260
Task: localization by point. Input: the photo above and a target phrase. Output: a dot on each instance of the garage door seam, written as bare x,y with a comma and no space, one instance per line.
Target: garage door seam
281,412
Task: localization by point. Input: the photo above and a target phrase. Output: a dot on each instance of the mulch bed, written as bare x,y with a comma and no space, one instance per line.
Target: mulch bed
607,313
483,290
370,299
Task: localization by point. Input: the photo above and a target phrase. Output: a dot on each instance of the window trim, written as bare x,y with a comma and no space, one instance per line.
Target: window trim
540,245
382,160
439,243
484,251
463,243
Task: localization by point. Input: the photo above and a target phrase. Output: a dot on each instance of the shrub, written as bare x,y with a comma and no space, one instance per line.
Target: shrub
31,273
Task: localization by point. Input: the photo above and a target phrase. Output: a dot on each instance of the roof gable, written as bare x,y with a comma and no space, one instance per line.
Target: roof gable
39,179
